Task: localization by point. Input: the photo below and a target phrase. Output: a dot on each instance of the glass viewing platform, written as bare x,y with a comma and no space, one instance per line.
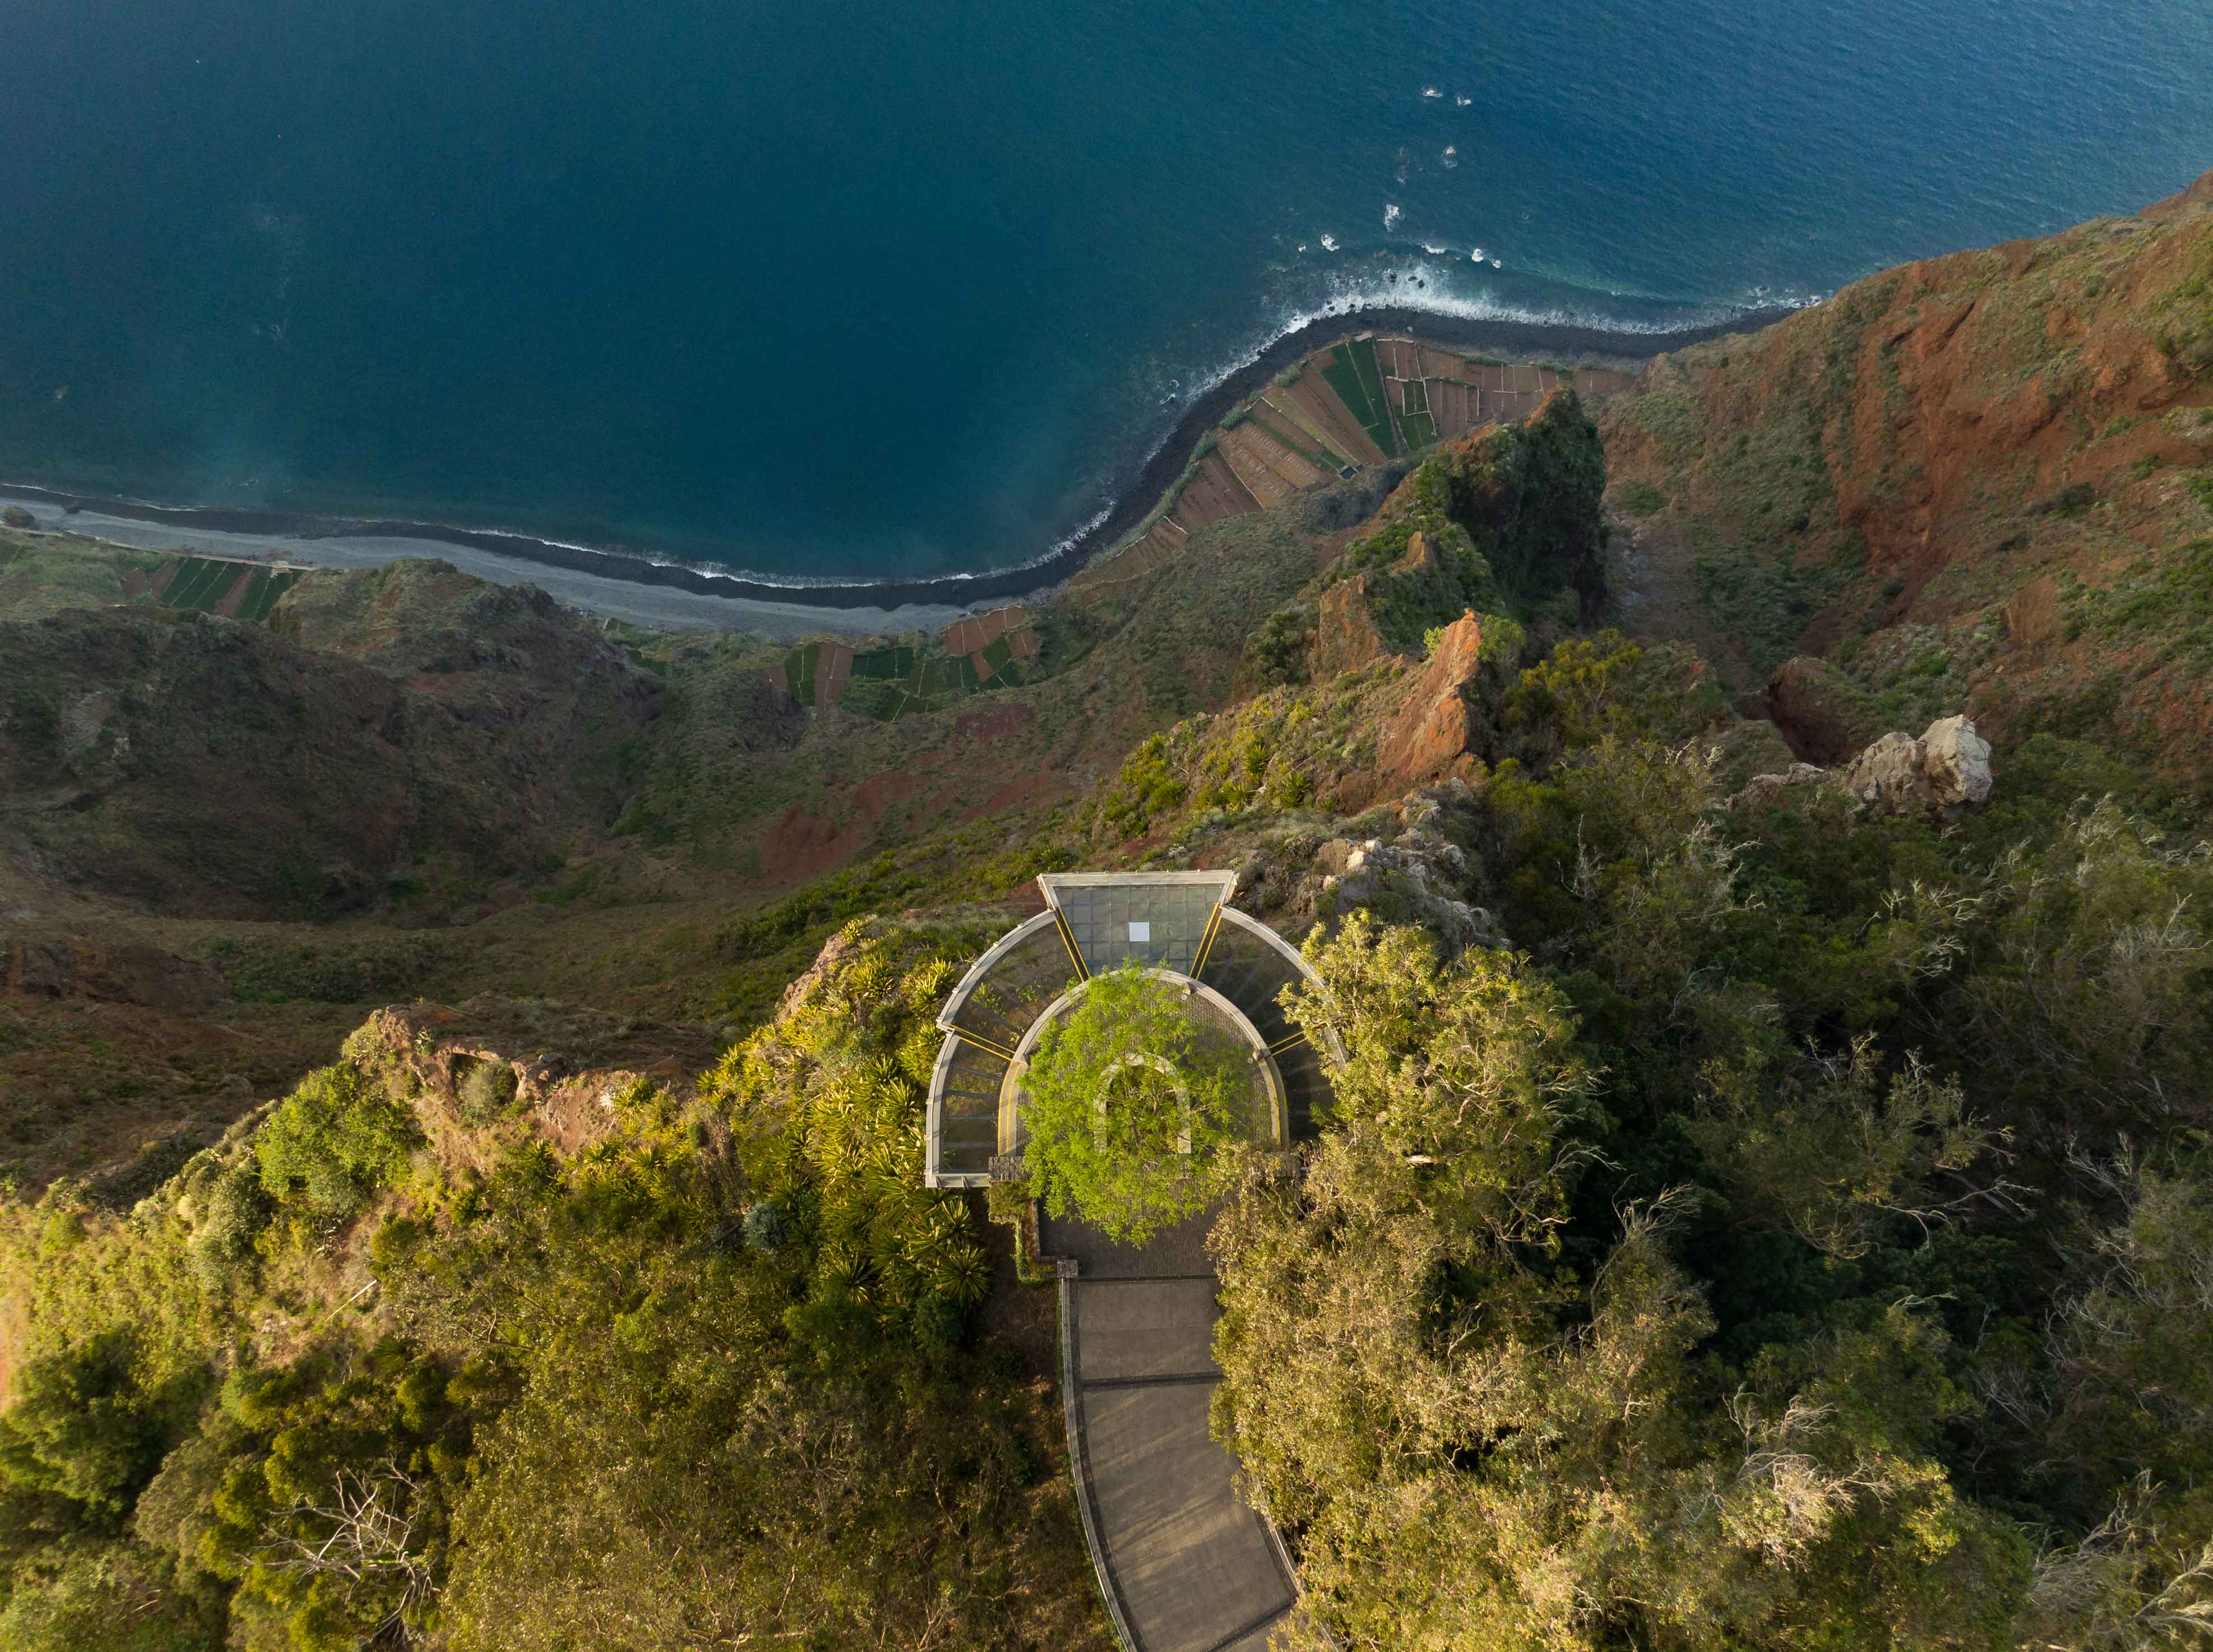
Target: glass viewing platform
1178,922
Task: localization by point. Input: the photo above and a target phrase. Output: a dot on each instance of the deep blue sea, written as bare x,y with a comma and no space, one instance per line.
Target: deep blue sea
870,287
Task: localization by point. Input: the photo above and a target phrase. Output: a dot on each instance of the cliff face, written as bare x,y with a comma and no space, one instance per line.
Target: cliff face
1990,467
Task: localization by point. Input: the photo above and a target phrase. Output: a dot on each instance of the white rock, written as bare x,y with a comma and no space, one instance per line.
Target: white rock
1956,761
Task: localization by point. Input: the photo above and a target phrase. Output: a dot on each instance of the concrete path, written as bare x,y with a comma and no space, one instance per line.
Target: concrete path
1185,1564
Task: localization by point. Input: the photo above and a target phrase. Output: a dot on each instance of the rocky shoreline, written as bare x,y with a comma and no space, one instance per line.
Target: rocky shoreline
642,589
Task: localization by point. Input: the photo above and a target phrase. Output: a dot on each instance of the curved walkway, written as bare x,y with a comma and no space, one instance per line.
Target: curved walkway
1184,1563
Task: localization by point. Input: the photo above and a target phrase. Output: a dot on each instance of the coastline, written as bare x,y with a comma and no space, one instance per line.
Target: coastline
642,590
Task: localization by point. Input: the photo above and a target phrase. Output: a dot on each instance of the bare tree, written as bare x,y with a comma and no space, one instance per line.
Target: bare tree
367,1531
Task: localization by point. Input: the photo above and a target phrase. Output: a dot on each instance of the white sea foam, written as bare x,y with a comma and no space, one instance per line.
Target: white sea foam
1476,256
1495,265
1356,288
1451,156
1431,92
1460,102
1329,243
1435,251
1390,215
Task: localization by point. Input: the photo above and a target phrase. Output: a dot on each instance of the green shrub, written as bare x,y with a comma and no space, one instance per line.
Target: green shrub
333,1143
110,1597
1145,790
234,1212
1277,652
2070,501
1640,498
486,1089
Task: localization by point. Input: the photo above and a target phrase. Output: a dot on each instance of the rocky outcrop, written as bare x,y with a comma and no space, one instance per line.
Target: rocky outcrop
1418,877
1435,729
1768,789
1345,637
1821,712
492,1062
1946,769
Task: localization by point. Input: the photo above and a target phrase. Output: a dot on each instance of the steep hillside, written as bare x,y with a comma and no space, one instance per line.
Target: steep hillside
1984,478
206,769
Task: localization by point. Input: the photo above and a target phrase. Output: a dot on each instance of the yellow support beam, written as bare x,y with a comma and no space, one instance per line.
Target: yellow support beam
1282,1044
1206,945
1068,939
982,1044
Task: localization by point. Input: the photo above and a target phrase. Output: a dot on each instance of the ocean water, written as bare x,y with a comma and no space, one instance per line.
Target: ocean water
866,288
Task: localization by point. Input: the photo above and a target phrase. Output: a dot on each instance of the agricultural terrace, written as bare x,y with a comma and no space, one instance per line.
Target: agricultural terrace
1362,401
1359,402
215,585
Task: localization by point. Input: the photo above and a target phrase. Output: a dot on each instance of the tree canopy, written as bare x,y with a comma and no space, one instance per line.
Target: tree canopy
1137,1101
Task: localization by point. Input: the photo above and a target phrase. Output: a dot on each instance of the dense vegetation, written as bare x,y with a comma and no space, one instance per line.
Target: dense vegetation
1799,1238
384,1368
1137,1107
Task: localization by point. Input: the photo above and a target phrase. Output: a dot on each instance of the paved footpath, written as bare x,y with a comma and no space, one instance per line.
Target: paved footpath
1186,1564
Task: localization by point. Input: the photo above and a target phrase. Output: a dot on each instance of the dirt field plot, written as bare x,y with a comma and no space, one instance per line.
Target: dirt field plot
978,631
1287,461
1312,394
1212,493
1295,435
1453,404
1238,452
833,669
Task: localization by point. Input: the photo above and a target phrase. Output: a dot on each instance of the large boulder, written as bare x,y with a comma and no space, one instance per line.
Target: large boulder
1888,775
1956,762
1947,768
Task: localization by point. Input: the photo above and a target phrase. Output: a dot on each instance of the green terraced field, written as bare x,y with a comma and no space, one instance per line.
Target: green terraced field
261,596
798,671
192,586
891,683
201,584
1417,426
1352,374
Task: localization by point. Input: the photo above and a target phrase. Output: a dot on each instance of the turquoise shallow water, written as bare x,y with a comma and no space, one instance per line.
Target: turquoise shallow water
865,288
